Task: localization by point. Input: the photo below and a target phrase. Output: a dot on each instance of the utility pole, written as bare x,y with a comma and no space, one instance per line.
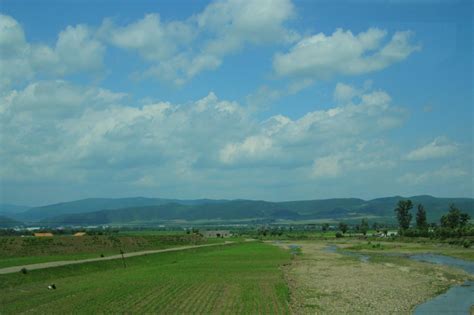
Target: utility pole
123,259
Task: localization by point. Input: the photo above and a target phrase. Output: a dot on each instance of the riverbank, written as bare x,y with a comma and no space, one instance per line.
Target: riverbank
328,282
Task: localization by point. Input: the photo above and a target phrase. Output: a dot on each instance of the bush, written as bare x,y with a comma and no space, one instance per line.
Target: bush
24,270
466,243
339,235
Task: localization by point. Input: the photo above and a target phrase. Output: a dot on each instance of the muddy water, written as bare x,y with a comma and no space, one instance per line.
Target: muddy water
458,299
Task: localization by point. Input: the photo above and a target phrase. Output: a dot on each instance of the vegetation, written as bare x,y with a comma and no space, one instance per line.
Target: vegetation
152,211
421,222
455,219
243,278
343,227
29,250
364,226
403,213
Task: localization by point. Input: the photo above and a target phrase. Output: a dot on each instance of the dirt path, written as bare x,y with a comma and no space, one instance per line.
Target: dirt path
73,262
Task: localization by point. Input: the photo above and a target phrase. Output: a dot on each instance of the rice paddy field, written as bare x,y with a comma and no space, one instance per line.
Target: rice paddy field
243,278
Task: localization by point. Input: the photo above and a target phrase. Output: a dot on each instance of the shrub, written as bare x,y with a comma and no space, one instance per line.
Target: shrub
339,235
24,270
466,243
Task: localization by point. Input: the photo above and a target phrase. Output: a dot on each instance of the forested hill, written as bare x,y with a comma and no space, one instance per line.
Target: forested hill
165,210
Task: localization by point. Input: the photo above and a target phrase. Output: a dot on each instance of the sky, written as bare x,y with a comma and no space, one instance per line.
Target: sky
273,100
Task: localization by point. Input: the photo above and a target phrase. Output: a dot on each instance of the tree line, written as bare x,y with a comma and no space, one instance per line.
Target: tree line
454,223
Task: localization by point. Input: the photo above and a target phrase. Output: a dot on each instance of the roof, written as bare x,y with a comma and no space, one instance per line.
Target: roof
43,234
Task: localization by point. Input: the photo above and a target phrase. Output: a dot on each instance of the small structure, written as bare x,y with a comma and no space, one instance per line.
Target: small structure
219,233
80,234
46,234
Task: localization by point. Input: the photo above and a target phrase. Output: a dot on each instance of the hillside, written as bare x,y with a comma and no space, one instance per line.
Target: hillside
6,209
248,210
97,204
6,222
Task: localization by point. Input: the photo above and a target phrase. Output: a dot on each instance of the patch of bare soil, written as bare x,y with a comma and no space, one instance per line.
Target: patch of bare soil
321,282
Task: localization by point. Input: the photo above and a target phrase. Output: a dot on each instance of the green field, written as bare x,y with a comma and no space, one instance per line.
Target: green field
16,251
241,278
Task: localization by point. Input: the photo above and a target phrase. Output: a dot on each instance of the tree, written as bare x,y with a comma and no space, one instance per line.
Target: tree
364,226
325,227
343,227
421,218
375,226
454,218
403,213
464,219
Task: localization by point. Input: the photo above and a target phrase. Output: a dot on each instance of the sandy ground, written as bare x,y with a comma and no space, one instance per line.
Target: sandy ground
73,262
330,283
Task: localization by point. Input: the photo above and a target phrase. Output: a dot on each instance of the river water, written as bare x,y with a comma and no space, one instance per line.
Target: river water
456,301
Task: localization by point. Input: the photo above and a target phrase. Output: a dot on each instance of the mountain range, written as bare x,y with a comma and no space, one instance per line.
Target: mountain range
140,210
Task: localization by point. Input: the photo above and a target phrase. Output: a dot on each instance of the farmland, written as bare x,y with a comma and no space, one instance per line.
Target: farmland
241,278
29,250
270,277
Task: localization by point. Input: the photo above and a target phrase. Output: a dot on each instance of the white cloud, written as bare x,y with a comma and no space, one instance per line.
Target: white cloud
251,149
441,147
310,139
180,50
53,128
20,61
342,53
327,166
233,23
344,93
13,51
149,36
441,175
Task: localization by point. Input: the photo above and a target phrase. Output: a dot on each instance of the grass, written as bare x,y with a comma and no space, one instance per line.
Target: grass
19,261
241,278
16,251
410,248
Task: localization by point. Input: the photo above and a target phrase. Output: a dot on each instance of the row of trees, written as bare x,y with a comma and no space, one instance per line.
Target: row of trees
454,219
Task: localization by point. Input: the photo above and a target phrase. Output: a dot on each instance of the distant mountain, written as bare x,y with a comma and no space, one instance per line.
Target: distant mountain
6,222
435,207
6,209
381,209
96,204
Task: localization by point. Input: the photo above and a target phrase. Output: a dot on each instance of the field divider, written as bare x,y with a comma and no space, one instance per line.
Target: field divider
53,264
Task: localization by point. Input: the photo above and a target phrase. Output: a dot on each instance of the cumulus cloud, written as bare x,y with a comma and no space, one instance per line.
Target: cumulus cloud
21,61
251,149
440,147
327,166
233,23
443,174
149,36
344,92
328,141
180,50
343,53
53,129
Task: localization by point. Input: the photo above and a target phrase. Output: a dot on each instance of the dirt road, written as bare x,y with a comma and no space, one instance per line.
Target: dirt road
73,262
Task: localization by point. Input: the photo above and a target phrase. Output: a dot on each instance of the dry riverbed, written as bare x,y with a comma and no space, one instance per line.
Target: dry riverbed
325,282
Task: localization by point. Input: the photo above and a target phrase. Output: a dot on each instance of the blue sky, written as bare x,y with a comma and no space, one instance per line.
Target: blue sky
275,100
